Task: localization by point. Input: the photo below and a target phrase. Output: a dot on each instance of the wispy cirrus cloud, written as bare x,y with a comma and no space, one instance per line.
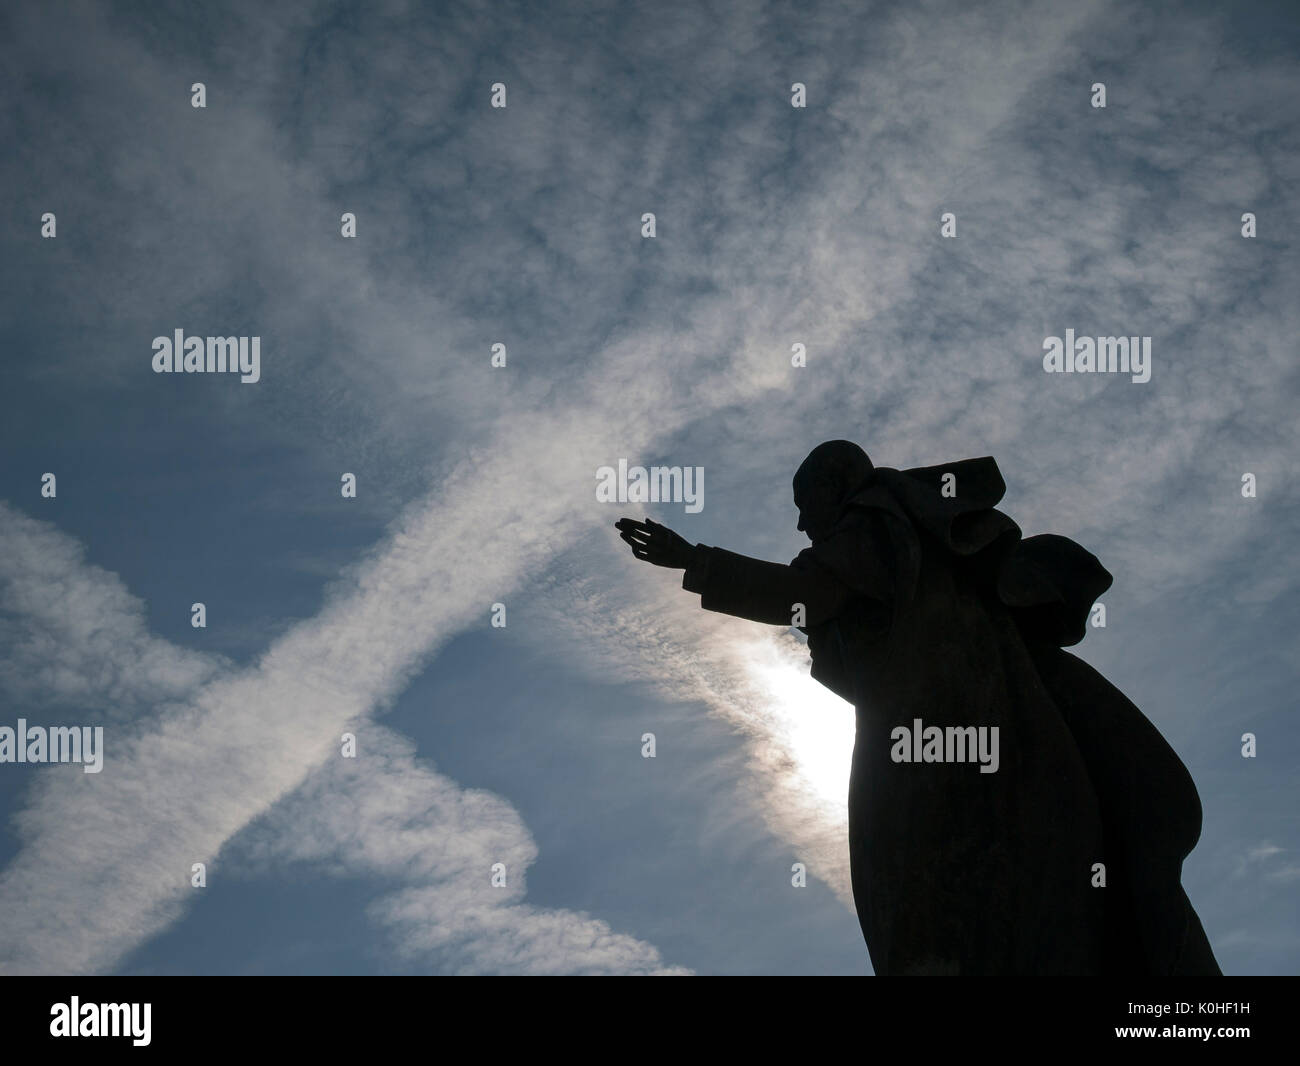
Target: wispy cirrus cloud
389,814
219,756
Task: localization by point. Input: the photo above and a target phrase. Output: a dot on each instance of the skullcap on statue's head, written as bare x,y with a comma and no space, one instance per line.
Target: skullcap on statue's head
835,468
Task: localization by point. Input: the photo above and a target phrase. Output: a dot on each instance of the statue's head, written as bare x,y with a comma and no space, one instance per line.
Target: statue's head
825,481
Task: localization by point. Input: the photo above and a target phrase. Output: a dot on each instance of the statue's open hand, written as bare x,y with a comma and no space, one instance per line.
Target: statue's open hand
655,543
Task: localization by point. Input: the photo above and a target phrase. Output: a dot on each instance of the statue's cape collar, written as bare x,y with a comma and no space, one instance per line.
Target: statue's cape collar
1047,579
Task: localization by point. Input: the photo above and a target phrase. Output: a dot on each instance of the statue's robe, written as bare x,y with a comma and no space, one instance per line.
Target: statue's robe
921,606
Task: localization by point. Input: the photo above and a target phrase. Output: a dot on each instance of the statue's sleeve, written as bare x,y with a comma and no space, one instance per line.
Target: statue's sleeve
825,578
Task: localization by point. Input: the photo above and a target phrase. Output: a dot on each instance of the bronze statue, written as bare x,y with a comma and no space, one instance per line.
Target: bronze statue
1061,851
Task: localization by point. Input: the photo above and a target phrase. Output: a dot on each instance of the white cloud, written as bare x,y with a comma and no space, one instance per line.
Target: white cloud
72,633
106,864
387,813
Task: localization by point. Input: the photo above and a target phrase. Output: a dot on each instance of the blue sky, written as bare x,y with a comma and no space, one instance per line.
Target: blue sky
522,225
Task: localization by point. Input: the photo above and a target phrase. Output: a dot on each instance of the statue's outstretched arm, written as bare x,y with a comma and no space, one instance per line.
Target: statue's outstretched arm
811,590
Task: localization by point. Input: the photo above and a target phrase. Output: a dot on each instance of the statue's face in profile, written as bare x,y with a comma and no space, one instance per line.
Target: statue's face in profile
819,508
824,481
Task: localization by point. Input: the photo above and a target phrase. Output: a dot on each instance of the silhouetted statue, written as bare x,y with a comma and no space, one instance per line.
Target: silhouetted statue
973,851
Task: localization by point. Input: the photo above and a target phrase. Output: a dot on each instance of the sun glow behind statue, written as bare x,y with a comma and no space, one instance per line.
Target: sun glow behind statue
813,726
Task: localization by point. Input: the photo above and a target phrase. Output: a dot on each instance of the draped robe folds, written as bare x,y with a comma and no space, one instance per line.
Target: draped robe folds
920,606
